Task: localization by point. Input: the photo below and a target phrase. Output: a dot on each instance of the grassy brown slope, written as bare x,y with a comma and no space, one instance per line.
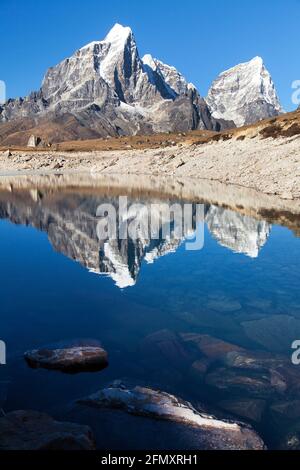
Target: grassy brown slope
66,128
67,134
139,142
285,125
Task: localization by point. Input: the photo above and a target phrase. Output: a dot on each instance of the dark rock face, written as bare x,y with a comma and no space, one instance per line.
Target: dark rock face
31,105
213,433
30,430
69,360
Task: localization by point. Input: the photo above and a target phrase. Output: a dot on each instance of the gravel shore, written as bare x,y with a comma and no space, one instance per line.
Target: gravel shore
270,166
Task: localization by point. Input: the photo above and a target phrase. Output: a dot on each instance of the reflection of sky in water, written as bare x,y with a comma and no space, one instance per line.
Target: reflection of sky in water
242,287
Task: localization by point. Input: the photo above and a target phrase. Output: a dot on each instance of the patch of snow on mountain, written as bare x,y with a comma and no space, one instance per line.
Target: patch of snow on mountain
170,75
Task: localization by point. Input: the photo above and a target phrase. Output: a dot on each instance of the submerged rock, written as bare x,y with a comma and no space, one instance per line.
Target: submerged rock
72,360
214,433
199,368
211,347
260,384
245,408
31,430
286,410
276,332
166,345
255,360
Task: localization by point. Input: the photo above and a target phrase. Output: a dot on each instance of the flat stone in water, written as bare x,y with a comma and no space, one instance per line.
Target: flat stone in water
31,430
69,360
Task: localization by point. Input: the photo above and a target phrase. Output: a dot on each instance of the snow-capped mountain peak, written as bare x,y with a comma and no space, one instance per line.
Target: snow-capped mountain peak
110,90
244,94
120,52
257,60
118,34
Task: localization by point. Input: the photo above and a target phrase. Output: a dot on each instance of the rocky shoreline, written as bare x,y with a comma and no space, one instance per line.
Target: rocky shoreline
270,166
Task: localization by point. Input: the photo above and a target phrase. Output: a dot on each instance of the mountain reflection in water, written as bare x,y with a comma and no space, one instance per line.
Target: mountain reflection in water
213,326
70,221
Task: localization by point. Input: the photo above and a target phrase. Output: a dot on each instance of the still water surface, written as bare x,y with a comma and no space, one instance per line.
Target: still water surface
146,303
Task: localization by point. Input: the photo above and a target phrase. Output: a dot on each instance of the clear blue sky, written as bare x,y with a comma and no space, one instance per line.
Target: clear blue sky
201,38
